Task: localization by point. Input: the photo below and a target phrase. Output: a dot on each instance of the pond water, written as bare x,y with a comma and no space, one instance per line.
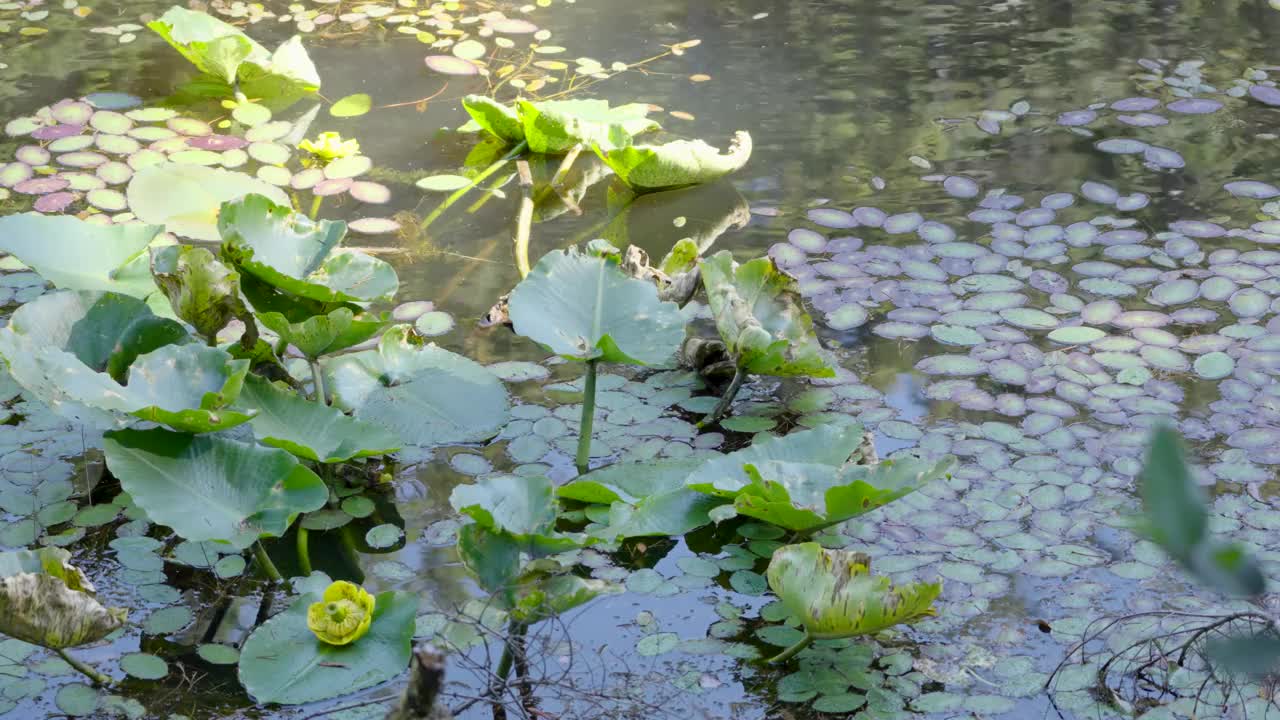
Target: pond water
1029,232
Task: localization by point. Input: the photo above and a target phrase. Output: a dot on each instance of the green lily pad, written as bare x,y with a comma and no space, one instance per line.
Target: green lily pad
555,126
283,661
324,334
295,254
760,317
144,666
243,491
584,307
523,508
675,164
309,430
351,106
424,394
186,199
76,255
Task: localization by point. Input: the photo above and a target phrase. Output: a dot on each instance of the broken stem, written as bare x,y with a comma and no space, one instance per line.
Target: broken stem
524,221
566,165
588,418
739,375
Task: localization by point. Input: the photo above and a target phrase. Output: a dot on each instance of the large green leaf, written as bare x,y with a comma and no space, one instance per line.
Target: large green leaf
226,53
51,341
675,164
46,601
629,482
186,199
759,314
834,595
208,487
646,499
1178,519
808,496
426,395
203,292
502,121
309,430
324,334
493,558
584,307
210,44
283,661
833,445
524,508
300,256
76,255
555,126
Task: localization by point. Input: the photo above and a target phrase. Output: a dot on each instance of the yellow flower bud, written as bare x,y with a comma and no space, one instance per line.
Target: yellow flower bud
330,146
343,615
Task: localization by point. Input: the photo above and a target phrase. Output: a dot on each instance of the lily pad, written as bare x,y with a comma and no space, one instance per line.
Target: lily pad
309,430
186,199
76,255
676,164
324,334
46,601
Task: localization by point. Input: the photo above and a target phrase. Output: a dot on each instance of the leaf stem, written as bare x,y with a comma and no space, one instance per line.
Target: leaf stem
566,164
588,417
264,562
315,206
790,652
84,668
457,195
304,552
317,379
726,401
524,221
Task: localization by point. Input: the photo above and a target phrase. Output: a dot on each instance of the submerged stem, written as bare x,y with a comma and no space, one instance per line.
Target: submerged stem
726,401
588,417
524,221
315,206
566,165
790,652
84,668
264,562
304,551
457,195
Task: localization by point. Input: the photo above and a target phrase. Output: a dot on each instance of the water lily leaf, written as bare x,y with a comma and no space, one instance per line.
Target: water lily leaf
46,601
300,256
585,308
210,44
325,334
50,342
834,595
288,76
831,445
645,499
309,430
502,121
807,496
202,291
541,595
426,395
351,106
283,662
760,317
555,126
524,508
675,164
629,482
76,255
670,513
493,558
186,199
243,491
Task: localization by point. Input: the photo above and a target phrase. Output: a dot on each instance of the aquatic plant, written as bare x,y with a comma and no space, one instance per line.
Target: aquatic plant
833,594
677,164
343,614
582,307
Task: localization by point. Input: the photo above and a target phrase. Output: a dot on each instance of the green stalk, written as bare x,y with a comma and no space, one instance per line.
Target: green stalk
790,652
304,553
460,192
739,375
317,378
588,418
85,669
566,165
315,206
264,562
524,221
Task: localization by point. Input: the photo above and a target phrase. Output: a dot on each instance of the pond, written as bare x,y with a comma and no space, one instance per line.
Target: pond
1027,235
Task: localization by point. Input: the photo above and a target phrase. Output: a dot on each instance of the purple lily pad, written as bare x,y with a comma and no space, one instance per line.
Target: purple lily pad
72,112
370,192
337,186
1194,106
33,155
959,186
53,132
217,143
1135,104
373,226
1076,118
54,202
832,218
1252,189
450,65
41,185
1265,94
1164,158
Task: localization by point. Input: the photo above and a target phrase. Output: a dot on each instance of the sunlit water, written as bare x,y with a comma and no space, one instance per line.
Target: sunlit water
971,115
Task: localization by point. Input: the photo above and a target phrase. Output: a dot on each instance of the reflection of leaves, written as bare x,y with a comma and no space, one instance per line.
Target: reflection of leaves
834,595
657,221
760,316
1178,520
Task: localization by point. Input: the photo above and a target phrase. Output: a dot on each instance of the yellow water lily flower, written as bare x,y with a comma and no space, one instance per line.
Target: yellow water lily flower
343,615
330,146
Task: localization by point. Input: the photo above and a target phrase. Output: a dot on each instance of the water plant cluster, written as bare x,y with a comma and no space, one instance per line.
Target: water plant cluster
211,383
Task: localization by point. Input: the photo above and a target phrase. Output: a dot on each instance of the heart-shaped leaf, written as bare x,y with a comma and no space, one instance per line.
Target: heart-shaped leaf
523,508
675,164
76,255
324,334
309,430
242,491
555,126
300,256
186,199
